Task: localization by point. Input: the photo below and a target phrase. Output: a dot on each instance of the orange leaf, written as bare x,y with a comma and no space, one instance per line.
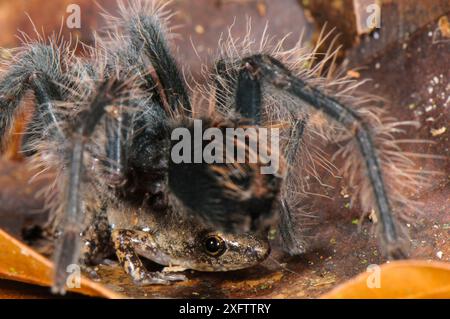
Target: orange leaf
401,279
20,263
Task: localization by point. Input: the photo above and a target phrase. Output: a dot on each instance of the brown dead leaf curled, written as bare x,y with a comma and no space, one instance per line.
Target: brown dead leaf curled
402,279
18,262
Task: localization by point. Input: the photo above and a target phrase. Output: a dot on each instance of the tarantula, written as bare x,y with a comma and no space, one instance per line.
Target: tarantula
104,122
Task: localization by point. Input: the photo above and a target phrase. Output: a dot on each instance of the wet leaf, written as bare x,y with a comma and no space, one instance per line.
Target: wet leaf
402,279
20,263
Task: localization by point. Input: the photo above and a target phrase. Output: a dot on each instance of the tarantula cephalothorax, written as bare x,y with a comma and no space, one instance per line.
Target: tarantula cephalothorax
105,124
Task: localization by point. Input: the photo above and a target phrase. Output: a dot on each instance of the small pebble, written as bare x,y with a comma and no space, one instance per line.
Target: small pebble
199,29
439,131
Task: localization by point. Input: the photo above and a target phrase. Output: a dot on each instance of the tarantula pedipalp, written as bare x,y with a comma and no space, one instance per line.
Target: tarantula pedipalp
106,122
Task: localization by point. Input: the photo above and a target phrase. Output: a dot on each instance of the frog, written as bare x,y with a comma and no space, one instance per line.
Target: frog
176,242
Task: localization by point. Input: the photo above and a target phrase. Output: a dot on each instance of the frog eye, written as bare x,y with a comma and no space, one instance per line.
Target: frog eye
214,245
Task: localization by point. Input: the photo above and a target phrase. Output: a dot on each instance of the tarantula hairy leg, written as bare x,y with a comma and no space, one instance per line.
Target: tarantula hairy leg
268,69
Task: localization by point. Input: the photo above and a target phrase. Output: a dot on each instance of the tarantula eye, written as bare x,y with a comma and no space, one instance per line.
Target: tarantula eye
214,245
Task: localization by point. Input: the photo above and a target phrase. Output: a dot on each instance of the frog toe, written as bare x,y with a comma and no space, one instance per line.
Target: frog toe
158,278
151,279
173,277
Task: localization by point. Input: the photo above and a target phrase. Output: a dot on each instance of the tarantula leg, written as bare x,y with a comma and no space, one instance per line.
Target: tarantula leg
67,251
38,69
45,117
147,34
249,96
126,243
290,240
249,105
68,247
117,129
272,71
224,82
295,139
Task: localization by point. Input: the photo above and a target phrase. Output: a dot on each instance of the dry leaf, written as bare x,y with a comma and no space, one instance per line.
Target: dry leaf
20,263
402,279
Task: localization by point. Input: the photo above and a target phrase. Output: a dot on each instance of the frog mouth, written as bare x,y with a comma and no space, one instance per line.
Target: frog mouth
158,257
166,260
